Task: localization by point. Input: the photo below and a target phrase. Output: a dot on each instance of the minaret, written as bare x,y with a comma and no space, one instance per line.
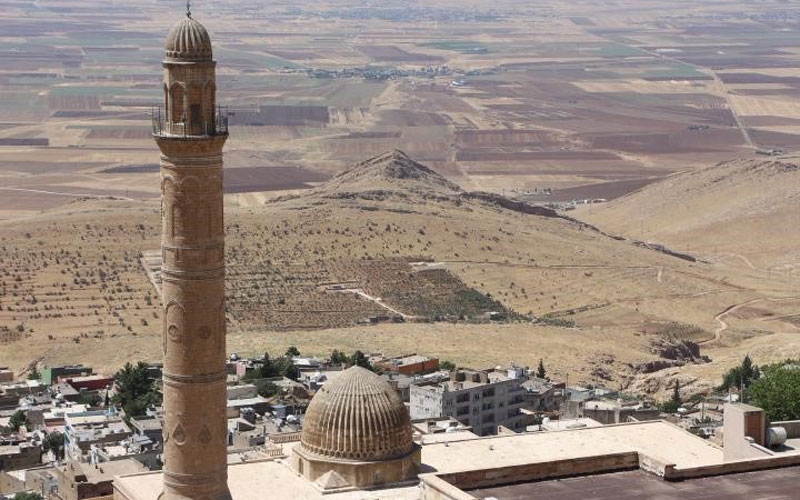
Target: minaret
190,132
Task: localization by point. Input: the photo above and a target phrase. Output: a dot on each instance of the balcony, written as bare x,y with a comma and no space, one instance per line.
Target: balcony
216,126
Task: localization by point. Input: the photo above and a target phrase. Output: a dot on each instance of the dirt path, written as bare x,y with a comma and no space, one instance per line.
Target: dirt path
376,300
733,308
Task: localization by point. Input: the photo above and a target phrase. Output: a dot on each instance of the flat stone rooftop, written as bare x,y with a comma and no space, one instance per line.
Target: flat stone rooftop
259,480
776,484
660,440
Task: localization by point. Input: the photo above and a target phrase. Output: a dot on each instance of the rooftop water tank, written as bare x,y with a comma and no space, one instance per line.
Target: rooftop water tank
776,436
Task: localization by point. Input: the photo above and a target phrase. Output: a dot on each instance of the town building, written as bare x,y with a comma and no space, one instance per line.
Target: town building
19,456
40,479
55,418
51,374
481,399
83,480
608,411
85,431
409,365
542,395
88,382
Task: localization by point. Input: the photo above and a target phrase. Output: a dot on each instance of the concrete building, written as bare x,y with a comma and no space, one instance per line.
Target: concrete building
55,418
190,132
19,456
82,481
483,400
92,428
409,365
22,388
148,428
610,411
51,374
88,382
542,395
258,404
41,479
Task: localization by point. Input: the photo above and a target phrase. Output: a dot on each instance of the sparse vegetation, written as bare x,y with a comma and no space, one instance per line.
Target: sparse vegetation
18,420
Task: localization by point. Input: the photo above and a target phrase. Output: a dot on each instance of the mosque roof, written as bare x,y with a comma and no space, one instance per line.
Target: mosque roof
357,416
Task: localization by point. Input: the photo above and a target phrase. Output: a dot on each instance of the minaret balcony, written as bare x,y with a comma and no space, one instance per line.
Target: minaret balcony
194,129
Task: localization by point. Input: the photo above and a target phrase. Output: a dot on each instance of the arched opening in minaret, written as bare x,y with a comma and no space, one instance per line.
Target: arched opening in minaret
209,98
176,98
195,99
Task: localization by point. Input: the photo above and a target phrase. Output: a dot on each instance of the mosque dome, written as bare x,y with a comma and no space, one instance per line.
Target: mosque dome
357,416
188,41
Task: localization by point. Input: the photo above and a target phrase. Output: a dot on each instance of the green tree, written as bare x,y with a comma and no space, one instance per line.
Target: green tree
285,367
135,389
674,402
777,391
338,357
740,377
90,398
28,495
34,374
292,351
360,359
54,442
267,388
274,367
18,420
447,365
540,371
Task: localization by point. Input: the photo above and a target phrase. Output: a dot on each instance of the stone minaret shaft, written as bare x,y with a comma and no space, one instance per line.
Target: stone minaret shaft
191,134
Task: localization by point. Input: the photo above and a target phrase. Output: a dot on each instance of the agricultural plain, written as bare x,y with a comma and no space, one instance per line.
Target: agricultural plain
543,104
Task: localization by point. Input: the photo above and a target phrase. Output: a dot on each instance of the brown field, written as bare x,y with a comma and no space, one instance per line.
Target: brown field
81,273
390,53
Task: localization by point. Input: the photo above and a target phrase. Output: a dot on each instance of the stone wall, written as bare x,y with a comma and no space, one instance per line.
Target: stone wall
543,470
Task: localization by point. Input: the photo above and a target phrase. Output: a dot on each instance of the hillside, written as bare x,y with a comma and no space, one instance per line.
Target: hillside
387,241
746,210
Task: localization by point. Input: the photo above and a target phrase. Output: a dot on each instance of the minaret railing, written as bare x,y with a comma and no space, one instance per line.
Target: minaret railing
162,127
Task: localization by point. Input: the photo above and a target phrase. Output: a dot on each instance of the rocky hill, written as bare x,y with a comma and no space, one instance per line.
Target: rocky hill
392,171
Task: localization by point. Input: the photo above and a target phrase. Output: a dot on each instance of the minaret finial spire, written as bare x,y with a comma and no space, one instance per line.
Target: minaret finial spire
189,8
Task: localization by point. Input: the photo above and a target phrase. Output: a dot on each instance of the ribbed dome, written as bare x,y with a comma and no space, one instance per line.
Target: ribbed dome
188,41
357,416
